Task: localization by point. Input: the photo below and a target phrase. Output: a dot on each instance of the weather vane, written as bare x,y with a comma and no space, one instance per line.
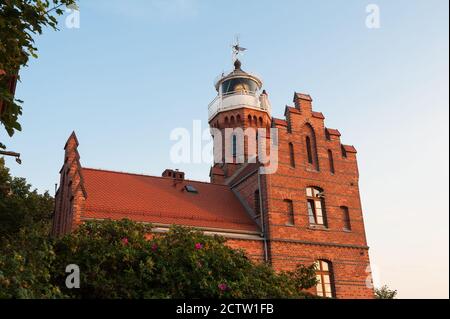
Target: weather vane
237,49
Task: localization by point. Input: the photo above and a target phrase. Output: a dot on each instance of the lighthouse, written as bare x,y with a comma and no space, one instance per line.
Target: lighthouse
241,103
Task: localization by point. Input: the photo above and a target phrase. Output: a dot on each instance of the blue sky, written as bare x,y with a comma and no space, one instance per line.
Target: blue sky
135,70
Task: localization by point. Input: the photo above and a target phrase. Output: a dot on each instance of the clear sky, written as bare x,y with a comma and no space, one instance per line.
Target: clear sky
135,70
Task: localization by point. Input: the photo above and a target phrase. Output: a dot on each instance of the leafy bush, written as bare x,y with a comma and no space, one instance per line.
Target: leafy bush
385,293
117,261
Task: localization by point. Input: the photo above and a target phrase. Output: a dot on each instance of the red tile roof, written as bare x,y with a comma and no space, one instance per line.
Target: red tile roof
152,199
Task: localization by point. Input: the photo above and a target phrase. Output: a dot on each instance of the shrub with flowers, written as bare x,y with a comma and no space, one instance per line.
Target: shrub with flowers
117,261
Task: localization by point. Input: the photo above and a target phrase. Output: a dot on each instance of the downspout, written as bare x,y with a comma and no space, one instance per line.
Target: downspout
263,222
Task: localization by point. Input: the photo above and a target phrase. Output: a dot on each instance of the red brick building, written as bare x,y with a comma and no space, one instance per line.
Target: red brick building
307,211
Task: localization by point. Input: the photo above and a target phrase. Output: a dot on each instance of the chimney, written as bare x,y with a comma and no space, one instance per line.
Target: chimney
175,174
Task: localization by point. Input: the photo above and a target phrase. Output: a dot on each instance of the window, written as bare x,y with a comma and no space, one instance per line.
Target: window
191,189
346,218
257,204
291,154
324,287
290,211
331,160
309,150
311,146
234,145
316,207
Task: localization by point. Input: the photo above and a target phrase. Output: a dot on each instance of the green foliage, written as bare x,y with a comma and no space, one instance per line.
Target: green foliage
26,253
21,207
117,261
25,264
385,293
20,21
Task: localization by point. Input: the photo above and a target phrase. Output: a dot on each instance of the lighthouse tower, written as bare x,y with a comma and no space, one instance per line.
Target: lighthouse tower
240,104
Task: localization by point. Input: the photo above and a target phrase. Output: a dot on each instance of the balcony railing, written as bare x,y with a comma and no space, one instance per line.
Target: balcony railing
235,100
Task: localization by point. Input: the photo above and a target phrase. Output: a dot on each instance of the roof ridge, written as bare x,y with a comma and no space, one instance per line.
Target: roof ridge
146,175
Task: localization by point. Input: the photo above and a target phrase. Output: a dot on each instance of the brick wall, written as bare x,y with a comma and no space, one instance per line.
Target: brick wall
331,167
338,178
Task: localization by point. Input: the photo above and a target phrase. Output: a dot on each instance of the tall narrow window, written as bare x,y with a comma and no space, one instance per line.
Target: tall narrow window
331,161
311,147
324,287
234,145
309,150
257,204
290,212
291,154
346,218
316,206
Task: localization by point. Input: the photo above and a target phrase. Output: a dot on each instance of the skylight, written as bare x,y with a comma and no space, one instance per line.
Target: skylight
191,189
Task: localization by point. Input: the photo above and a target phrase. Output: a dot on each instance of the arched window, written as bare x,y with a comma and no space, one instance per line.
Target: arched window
226,120
255,120
324,287
346,218
311,146
232,120
257,204
290,212
260,121
249,120
238,118
309,150
291,154
234,145
316,206
331,161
